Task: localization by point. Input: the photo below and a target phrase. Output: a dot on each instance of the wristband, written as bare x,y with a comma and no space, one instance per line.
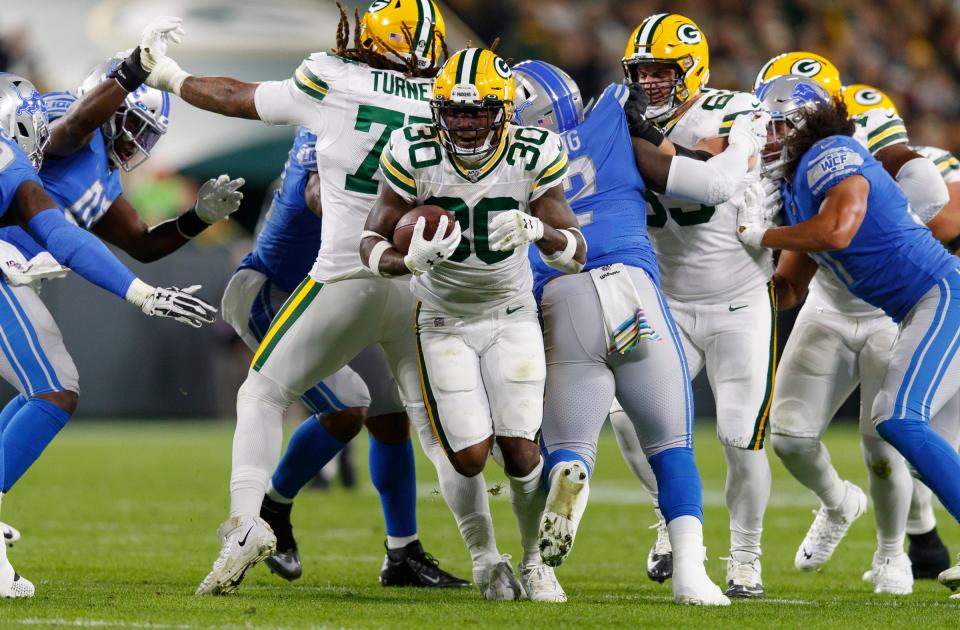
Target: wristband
129,73
646,130
190,225
373,261
563,260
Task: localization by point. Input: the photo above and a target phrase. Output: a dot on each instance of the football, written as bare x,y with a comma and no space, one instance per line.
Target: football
404,230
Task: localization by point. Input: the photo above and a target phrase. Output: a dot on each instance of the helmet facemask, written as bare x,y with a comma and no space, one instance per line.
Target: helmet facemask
470,129
773,157
666,94
35,146
131,134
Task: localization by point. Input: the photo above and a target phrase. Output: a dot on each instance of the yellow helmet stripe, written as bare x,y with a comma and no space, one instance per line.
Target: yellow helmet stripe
646,32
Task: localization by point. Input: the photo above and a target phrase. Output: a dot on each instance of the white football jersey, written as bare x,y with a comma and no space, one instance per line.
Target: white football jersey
701,258
528,162
875,130
946,162
352,108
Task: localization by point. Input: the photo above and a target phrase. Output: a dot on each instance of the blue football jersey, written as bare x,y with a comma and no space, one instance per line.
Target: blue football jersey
605,191
289,239
15,168
83,183
893,258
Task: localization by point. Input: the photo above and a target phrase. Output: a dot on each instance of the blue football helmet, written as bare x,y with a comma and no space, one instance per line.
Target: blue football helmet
138,123
788,98
546,97
23,116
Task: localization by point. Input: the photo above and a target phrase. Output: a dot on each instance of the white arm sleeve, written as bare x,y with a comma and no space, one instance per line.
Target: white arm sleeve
711,182
921,182
281,103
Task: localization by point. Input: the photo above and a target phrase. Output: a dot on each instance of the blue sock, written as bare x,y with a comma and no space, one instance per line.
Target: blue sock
930,454
10,410
310,448
678,480
27,434
558,457
393,474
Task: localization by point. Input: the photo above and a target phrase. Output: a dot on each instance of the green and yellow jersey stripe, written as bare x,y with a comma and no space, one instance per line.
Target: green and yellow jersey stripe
763,415
889,133
295,305
397,175
309,83
554,171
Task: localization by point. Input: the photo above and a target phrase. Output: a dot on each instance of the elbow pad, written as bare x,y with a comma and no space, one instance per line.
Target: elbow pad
76,248
564,260
921,182
712,182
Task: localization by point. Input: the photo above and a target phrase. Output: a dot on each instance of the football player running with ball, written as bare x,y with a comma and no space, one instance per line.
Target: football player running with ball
478,337
719,292
351,100
609,332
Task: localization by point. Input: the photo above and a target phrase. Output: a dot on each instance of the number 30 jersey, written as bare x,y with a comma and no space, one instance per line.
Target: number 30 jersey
528,162
701,258
352,108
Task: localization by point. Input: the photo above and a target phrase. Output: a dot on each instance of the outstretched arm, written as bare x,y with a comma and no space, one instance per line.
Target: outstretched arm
794,272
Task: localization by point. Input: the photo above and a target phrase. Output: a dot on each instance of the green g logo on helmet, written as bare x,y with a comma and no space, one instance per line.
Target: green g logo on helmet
502,68
867,97
689,34
806,67
377,5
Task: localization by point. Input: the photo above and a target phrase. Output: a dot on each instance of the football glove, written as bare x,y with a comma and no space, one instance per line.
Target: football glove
750,129
750,223
772,201
165,73
635,110
179,304
425,254
218,198
510,230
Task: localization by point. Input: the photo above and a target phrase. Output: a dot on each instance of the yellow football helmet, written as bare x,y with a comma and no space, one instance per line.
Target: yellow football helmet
673,39
472,103
860,99
404,27
804,64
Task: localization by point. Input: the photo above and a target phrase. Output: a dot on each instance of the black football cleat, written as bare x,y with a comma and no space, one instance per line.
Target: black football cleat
928,555
286,561
412,566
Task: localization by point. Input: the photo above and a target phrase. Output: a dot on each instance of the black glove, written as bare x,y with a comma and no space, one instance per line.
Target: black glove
635,109
130,73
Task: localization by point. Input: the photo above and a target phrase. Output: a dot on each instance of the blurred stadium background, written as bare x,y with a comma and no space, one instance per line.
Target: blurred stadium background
134,367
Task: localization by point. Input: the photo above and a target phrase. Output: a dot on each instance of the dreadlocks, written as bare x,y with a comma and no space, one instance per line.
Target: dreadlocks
363,53
821,122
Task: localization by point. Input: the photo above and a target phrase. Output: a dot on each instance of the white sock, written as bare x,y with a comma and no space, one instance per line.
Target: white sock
275,495
808,460
399,542
747,494
528,499
686,538
3,545
921,518
890,489
468,500
256,442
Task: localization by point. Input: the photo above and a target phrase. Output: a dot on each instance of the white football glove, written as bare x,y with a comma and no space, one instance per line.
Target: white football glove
165,73
750,222
772,201
510,230
423,254
179,304
218,198
750,129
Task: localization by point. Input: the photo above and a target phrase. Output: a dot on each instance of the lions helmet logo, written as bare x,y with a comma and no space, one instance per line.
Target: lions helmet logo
378,5
867,97
502,68
689,34
806,67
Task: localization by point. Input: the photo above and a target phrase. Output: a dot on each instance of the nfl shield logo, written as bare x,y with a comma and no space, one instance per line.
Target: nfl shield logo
438,322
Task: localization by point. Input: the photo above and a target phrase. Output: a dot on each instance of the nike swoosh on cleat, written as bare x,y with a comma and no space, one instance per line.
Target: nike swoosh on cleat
243,540
432,580
513,309
737,308
805,554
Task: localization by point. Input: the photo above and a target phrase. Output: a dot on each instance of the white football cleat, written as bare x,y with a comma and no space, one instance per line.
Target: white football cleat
540,583
828,529
496,580
891,574
13,585
245,541
660,556
951,577
566,501
743,579
693,587
10,534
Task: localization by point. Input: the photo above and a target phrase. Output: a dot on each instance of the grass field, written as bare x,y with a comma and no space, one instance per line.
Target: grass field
119,525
